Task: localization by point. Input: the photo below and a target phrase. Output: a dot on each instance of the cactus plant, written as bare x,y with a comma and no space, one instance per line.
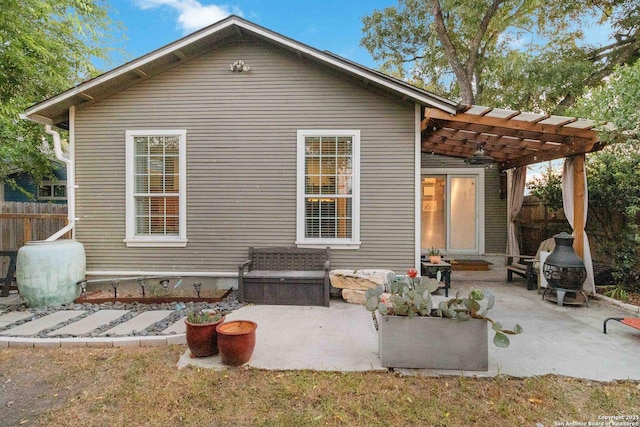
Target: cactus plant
202,317
411,296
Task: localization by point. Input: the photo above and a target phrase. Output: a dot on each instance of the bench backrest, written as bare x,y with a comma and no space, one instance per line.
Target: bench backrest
288,258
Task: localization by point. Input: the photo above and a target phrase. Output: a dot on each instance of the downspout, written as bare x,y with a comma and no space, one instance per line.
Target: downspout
71,181
417,185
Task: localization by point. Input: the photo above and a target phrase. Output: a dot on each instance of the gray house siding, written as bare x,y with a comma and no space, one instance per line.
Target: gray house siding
241,160
495,222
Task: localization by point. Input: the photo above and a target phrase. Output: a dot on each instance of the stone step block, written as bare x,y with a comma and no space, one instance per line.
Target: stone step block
35,326
89,323
140,322
13,316
177,328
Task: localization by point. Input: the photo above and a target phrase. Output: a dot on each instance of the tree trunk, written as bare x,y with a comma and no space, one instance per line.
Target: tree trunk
464,72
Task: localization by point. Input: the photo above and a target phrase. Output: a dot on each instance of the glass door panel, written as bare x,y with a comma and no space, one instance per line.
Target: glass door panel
462,223
433,212
449,213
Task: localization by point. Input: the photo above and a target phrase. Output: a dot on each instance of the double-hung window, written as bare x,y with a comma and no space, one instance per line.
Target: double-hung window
328,212
156,188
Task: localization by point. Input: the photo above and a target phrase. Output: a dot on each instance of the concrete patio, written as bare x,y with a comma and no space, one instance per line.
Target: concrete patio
557,340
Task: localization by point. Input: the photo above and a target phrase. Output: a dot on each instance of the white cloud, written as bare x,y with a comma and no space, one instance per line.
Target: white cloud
193,15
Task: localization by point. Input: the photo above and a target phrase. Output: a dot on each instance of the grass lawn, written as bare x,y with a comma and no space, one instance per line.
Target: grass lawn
141,386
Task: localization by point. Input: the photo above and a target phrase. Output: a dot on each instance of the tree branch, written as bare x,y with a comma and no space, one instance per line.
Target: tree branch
415,58
474,47
463,79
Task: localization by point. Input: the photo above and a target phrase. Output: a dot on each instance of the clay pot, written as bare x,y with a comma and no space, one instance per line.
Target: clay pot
202,338
435,259
236,341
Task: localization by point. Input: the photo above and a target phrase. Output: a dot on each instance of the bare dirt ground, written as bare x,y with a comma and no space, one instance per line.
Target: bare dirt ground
34,382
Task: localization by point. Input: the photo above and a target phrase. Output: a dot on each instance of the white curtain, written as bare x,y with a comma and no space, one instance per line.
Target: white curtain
516,179
567,199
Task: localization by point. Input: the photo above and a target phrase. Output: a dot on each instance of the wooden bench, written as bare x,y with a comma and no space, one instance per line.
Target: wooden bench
285,276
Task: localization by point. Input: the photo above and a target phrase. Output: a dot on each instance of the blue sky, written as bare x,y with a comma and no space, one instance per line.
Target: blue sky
334,25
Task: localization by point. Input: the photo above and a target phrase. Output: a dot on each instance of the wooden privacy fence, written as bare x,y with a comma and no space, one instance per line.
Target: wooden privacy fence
23,222
536,222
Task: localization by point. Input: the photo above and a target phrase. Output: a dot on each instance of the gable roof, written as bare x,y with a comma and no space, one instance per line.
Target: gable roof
55,109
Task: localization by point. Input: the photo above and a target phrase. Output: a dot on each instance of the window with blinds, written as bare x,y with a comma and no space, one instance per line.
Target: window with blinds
327,194
156,185
155,197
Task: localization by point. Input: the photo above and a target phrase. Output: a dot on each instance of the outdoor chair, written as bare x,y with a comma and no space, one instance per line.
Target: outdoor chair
634,322
529,266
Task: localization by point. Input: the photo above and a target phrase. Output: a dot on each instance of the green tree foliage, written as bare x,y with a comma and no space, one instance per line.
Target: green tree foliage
616,102
613,174
524,54
548,188
46,46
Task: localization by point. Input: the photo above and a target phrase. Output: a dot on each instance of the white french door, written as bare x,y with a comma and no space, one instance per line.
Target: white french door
452,210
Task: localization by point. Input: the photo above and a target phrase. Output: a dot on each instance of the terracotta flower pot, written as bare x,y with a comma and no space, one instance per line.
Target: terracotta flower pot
202,338
435,259
236,341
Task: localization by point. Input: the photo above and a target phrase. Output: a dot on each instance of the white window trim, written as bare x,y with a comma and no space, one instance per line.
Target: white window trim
301,240
131,239
480,203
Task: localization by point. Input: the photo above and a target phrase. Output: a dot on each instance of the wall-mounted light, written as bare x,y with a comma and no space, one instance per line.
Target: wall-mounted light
239,67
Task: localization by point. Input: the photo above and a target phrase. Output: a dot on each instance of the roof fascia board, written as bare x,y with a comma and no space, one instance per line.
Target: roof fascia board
37,119
221,25
396,81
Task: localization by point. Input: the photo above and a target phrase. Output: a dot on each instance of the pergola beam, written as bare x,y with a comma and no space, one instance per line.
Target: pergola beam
511,138
516,131
544,156
507,123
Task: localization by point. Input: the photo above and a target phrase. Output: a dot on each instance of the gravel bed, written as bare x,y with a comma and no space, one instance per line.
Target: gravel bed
179,309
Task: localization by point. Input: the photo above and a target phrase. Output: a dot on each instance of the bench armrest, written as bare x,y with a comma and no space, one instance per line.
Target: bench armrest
244,265
327,265
522,259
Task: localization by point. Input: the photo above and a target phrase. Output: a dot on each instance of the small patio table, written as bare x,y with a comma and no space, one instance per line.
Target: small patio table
444,268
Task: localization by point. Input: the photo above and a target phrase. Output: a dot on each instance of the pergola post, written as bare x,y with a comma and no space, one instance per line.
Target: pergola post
579,186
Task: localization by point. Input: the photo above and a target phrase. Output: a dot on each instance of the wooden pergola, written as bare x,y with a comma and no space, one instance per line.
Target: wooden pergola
513,139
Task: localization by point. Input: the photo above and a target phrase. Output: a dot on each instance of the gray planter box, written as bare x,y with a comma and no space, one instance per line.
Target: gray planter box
433,343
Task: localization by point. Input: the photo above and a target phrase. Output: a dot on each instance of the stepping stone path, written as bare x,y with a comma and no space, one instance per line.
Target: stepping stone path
84,324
